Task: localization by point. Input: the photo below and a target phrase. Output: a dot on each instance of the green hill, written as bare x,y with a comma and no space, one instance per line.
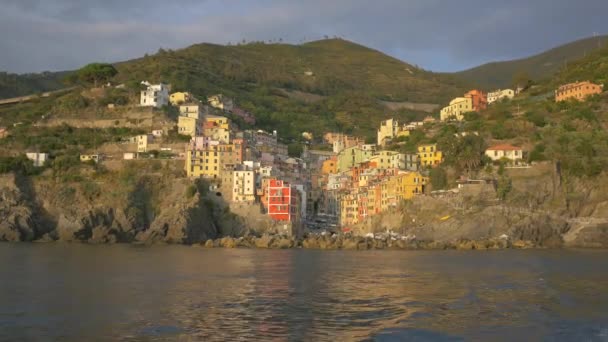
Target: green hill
325,67
347,82
538,67
13,85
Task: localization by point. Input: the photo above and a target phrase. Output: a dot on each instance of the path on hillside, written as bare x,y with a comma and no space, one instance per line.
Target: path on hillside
30,97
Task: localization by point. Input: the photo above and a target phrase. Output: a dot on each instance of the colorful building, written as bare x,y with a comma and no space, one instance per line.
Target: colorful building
389,130
178,98
330,166
142,141
188,126
221,102
429,155
209,161
579,91
478,99
282,201
352,156
456,109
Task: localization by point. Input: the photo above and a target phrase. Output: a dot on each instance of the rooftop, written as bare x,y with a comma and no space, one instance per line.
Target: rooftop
504,147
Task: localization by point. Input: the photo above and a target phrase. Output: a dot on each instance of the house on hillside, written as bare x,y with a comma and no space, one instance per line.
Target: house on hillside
188,126
155,95
507,151
179,98
38,158
456,109
500,94
90,157
429,155
193,110
478,98
577,90
221,102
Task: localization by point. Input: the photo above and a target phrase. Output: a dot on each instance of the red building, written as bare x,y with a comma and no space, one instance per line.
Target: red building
282,201
479,99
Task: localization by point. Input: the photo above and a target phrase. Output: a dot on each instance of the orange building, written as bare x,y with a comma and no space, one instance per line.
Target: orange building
330,166
480,100
578,90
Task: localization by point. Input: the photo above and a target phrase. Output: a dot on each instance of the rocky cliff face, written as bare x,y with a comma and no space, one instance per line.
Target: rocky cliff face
538,211
152,209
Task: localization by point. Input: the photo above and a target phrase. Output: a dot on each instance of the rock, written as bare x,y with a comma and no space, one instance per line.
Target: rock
522,244
209,244
326,242
350,243
228,242
265,241
310,243
283,243
363,245
246,242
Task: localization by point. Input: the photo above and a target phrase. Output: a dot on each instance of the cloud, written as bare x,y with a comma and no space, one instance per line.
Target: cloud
38,35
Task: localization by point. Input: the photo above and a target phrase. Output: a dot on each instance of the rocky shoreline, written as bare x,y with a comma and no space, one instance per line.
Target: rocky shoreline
340,242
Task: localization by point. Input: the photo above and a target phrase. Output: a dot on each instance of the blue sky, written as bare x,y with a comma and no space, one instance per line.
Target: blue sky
438,35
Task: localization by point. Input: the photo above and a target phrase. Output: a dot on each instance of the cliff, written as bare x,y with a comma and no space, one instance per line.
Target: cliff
542,208
111,207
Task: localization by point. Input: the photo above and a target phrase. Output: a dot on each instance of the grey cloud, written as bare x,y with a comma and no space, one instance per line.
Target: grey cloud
440,35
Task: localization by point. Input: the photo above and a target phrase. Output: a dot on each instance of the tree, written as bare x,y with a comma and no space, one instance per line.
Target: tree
439,178
522,80
93,73
503,187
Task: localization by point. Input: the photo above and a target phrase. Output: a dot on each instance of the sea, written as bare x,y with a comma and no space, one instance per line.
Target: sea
77,292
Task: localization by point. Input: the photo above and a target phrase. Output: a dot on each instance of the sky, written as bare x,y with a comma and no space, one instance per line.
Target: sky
438,35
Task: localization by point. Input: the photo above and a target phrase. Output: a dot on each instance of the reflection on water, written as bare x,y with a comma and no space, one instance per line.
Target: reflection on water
129,293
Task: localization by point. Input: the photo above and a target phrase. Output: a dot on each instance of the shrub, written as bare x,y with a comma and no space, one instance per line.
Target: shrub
191,191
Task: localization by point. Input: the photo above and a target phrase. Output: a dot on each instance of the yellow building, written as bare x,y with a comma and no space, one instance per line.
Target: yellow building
210,161
457,108
179,97
222,102
217,121
408,185
429,155
349,209
89,157
188,126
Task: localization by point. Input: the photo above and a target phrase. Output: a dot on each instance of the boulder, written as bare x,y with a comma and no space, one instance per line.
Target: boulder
265,241
228,242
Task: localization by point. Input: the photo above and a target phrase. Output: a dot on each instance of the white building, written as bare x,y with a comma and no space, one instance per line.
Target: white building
156,95
38,158
243,186
510,152
500,94
157,133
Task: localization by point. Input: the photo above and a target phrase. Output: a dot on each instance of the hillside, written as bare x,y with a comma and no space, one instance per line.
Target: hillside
537,67
347,81
325,67
13,85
